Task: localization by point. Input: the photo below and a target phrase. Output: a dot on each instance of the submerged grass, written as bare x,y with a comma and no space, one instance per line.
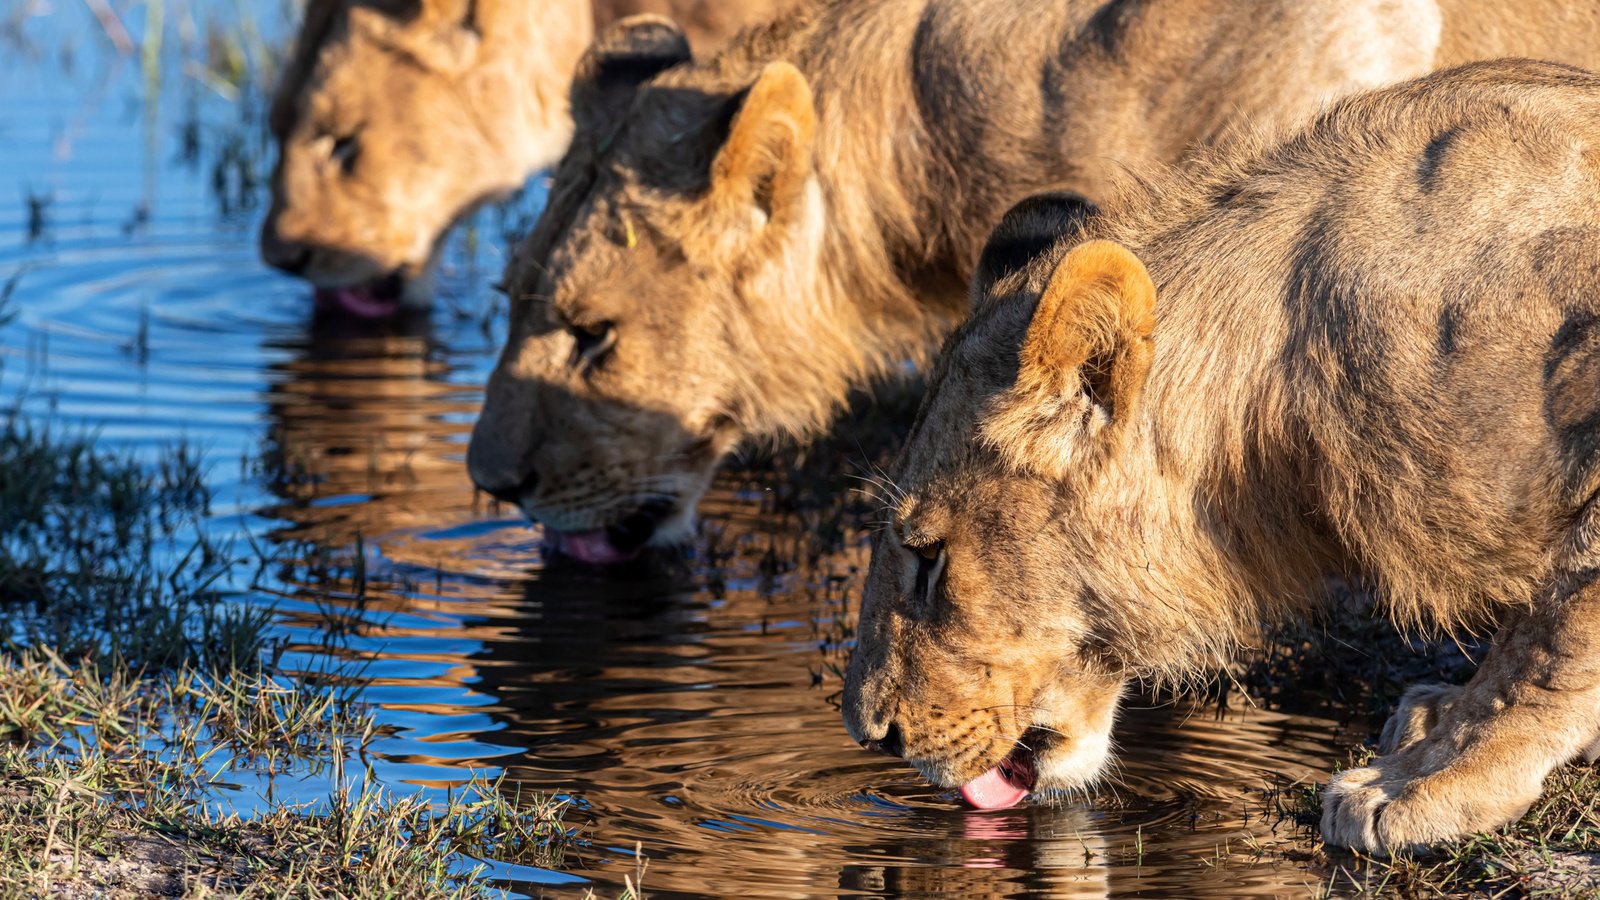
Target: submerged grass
103,555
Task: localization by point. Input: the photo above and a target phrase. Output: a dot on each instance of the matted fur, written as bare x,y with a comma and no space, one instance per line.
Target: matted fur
452,103
741,313
1375,354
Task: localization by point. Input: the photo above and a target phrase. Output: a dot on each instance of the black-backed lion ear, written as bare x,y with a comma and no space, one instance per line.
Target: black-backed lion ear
1026,232
1082,367
766,158
623,57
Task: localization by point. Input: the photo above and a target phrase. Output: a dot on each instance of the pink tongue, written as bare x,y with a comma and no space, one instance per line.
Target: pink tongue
592,547
992,790
357,301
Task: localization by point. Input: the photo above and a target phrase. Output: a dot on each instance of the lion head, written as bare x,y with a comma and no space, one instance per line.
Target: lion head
395,118
982,655
656,296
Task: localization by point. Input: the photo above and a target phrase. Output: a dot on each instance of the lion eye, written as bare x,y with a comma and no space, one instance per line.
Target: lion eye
345,150
590,343
930,565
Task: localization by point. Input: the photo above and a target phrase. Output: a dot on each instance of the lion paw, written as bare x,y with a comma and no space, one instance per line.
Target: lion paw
1352,806
1397,804
1420,708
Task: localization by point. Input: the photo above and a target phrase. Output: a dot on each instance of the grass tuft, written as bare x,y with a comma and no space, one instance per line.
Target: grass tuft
105,779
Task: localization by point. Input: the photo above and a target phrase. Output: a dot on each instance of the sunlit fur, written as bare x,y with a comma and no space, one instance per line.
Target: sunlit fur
744,312
1375,354
453,102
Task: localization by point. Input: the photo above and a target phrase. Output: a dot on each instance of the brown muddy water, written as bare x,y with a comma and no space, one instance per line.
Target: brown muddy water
690,709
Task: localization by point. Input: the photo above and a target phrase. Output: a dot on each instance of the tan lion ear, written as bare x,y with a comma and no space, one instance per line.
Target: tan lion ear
622,58
1082,366
767,157
441,35
461,13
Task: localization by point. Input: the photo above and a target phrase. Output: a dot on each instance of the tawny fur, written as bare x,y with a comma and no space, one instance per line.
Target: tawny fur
743,313
1376,354
453,102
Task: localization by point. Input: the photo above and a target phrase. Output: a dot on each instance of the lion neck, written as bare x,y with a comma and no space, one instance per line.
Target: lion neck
1180,575
870,278
536,129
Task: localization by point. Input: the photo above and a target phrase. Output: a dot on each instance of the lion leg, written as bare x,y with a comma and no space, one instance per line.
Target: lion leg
1420,709
1533,705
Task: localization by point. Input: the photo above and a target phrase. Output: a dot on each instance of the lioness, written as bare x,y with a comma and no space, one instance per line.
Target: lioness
1373,348
395,118
765,230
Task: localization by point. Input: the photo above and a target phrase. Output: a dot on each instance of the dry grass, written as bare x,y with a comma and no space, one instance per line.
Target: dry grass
1552,852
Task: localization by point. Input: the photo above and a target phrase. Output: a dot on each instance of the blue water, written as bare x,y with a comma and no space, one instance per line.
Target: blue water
692,713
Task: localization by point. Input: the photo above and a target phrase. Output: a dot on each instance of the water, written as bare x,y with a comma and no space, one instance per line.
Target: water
691,711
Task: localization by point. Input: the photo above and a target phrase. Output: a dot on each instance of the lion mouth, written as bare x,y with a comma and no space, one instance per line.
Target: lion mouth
376,299
1008,783
620,542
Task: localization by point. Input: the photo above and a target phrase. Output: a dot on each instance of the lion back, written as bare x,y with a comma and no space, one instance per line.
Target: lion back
1428,355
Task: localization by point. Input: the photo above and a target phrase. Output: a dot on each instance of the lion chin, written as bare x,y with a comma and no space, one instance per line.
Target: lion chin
652,529
1041,763
378,299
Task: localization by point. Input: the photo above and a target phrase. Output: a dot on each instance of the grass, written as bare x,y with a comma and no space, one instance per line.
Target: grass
1553,851
103,555
134,692
106,773
104,778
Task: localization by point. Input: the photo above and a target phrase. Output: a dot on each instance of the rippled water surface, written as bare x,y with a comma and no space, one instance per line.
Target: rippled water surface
690,710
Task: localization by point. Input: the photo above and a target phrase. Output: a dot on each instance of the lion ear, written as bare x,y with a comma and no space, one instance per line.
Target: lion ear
622,58
1082,366
766,158
441,35
1026,235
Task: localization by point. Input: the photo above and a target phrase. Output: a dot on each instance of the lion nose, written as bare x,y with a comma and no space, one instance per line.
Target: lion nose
502,467
891,742
290,256
512,494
